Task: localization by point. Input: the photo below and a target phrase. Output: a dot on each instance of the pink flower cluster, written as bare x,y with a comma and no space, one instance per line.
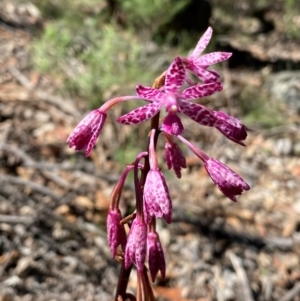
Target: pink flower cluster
154,200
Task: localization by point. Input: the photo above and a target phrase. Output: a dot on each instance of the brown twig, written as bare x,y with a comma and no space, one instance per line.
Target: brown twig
28,160
64,105
15,219
295,291
32,185
242,277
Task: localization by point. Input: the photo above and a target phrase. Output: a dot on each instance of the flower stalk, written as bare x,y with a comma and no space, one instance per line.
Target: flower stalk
141,247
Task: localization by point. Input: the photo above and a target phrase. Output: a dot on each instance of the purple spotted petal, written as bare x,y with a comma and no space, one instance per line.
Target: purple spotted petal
136,248
231,127
201,90
207,76
141,114
85,134
214,72
198,113
201,45
157,200
115,232
175,76
230,183
156,256
172,124
149,93
175,158
212,58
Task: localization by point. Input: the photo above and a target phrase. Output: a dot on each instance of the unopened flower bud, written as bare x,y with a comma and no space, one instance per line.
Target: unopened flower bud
115,232
135,251
156,256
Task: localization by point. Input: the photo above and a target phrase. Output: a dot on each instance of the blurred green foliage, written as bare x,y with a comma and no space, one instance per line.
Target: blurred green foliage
96,59
84,46
150,14
88,60
259,110
292,18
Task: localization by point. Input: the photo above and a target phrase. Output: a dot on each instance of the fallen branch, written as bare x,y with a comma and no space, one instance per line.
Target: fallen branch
15,219
28,160
32,185
205,226
295,291
64,105
242,277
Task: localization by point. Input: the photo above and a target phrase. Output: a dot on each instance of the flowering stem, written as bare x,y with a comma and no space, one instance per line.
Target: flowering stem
130,297
200,154
123,282
128,218
125,273
137,184
116,194
152,154
157,84
112,102
152,225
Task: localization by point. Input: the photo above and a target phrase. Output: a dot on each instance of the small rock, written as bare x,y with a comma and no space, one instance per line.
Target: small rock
23,267
7,294
285,88
84,202
284,146
296,149
13,281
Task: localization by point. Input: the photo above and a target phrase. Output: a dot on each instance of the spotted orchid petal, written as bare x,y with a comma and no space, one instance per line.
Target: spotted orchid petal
201,90
136,247
201,45
198,113
231,127
175,158
116,234
156,256
172,125
175,76
141,114
212,58
157,201
207,76
229,182
149,93
85,134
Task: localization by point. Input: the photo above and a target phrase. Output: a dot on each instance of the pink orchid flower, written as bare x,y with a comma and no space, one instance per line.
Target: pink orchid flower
173,100
85,134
